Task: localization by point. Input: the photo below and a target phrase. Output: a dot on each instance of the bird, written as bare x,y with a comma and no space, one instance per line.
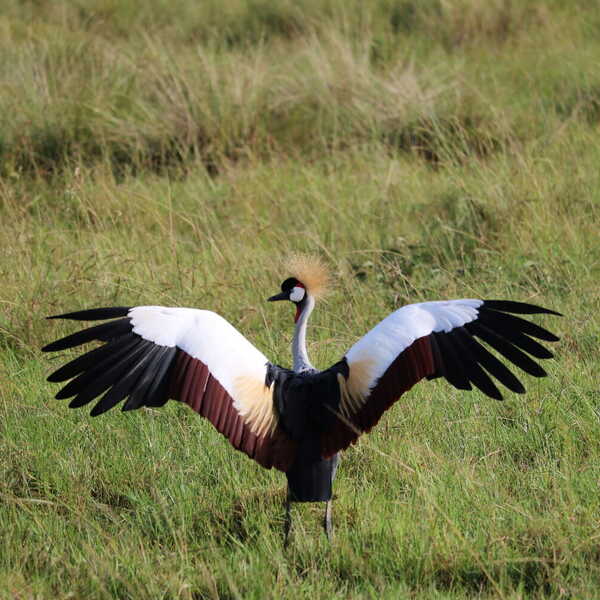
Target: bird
296,420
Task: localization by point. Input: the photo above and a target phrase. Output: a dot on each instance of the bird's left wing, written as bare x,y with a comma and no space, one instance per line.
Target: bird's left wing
153,353
430,340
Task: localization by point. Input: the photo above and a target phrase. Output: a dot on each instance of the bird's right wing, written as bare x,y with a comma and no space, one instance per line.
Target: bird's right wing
153,353
430,340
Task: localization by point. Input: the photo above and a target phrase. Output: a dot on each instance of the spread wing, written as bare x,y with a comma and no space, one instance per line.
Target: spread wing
153,353
430,340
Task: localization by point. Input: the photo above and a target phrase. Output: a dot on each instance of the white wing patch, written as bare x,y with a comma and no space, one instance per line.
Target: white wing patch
380,346
207,336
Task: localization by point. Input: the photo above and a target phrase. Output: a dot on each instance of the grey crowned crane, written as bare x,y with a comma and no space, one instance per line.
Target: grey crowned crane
295,420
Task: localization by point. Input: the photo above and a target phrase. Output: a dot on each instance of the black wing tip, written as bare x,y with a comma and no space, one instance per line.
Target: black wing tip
95,314
53,379
103,332
495,393
501,317
519,308
55,346
62,395
541,373
92,314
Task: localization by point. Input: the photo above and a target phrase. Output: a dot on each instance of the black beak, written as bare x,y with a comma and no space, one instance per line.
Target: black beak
282,296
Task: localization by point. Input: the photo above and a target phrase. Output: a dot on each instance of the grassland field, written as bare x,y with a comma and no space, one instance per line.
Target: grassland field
173,153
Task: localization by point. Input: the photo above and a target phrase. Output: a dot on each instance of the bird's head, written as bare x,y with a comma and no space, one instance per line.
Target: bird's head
310,280
293,290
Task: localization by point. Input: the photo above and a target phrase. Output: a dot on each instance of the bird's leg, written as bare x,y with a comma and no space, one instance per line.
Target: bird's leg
327,520
288,521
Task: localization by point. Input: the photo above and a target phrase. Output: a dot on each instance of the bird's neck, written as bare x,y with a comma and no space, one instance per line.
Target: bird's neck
301,361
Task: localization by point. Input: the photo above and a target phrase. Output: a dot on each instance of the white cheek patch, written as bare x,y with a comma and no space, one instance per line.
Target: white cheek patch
297,294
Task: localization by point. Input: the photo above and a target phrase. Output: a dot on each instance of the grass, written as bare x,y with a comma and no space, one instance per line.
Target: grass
171,154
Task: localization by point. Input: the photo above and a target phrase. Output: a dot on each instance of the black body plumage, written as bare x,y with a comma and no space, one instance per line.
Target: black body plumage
307,404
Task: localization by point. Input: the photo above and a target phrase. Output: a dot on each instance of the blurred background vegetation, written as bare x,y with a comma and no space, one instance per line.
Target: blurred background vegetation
171,152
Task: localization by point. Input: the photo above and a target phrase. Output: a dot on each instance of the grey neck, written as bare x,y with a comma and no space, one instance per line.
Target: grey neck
301,361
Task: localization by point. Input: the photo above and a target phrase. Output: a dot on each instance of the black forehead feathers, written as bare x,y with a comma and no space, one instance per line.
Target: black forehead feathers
289,283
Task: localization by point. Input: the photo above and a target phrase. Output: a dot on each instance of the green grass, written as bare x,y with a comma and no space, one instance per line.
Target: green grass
172,153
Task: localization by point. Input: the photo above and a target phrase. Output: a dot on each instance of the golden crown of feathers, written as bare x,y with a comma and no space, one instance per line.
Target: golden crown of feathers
311,271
